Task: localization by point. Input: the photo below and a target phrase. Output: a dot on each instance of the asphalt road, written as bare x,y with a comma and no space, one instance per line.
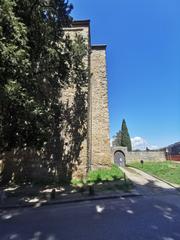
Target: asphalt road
137,218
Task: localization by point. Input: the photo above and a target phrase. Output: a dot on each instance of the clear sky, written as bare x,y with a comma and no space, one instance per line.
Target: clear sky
143,56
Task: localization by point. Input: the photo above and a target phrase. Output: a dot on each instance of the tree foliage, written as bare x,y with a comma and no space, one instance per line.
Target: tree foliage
36,62
117,139
14,63
122,137
125,138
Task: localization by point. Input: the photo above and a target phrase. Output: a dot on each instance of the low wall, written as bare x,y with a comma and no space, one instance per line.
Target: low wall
158,156
173,157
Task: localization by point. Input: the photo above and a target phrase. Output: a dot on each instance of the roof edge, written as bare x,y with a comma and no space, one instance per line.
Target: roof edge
80,23
99,47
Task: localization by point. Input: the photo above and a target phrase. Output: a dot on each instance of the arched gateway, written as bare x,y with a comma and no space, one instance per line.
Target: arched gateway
119,156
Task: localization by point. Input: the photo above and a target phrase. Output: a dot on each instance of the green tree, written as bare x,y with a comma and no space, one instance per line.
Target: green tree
125,137
32,60
36,62
117,139
14,64
122,137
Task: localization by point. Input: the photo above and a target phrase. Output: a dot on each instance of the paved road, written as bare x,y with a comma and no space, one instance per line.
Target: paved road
138,218
153,216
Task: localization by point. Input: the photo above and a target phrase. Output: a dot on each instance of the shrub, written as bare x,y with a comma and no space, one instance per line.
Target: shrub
77,182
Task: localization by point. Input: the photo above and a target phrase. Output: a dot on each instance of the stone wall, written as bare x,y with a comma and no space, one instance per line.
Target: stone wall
157,156
100,147
68,96
96,148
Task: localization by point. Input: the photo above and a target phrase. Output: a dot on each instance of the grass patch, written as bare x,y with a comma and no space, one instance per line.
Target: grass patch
166,170
104,179
105,175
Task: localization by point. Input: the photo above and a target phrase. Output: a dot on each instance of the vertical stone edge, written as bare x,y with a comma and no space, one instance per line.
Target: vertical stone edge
83,27
101,152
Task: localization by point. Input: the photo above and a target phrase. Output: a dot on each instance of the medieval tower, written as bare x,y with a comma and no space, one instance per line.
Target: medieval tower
95,150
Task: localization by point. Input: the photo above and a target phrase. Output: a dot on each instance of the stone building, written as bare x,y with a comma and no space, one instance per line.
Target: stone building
95,150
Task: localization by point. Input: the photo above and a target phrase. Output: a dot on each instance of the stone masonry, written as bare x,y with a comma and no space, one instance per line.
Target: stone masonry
95,151
79,28
137,156
156,156
100,114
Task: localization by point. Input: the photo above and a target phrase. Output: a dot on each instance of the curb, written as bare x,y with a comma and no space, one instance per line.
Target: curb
126,195
160,179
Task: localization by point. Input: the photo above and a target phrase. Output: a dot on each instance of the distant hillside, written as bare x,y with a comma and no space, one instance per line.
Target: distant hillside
174,149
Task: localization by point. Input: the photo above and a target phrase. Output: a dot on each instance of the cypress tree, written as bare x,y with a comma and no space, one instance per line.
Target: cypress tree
125,137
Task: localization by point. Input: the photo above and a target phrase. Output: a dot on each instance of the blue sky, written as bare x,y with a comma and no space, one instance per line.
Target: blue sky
143,57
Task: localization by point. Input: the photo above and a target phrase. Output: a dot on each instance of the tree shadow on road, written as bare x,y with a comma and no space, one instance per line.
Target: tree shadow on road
153,216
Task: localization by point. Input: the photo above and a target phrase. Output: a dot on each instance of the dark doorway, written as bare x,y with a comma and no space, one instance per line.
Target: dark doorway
119,158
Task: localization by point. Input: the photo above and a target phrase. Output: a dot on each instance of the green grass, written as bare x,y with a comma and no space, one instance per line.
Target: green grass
105,179
105,175
100,176
164,170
